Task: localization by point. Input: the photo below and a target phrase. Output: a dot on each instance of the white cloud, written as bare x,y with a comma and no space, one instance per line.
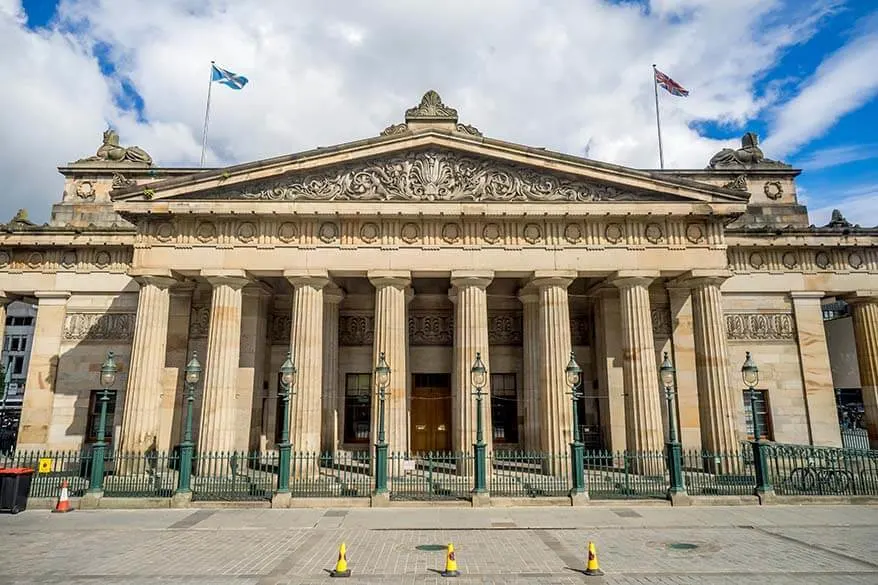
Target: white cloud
562,75
843,82
857,204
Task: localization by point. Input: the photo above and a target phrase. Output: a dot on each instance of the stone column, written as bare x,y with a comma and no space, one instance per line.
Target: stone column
553,334
529,297
683,343
177,357
332,297
39,397
643,421
254,345
820,409
306,340
217,427
390,338
864,308
470,336
720,409
143,394
608,350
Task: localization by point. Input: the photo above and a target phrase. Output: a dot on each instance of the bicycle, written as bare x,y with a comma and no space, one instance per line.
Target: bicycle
825,479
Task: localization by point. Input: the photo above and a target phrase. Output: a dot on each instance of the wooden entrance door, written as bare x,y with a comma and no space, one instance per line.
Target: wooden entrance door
431,412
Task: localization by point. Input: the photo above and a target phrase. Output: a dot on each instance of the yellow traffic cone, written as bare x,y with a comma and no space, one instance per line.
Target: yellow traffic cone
341,567
450,563
592,568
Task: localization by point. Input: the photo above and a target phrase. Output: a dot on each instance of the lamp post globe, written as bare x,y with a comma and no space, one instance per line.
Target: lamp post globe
749,372
667,372
573,372
478,373
108,371
193,370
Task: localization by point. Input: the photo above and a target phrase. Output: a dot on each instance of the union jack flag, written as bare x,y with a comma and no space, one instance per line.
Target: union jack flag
670,85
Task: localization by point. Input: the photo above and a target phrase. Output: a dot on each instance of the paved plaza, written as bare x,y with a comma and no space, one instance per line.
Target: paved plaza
636,545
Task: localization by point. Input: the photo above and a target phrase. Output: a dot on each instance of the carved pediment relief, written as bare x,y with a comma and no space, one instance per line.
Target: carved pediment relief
430,175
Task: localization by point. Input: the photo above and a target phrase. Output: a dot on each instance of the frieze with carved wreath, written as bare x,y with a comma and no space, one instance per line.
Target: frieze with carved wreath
745,260
99,326
760,327
61,259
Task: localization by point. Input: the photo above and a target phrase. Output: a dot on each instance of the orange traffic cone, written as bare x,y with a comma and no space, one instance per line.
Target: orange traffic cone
63,504
341,567
592,568
450,563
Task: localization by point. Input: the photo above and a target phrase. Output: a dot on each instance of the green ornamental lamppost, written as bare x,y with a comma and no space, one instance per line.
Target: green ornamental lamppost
674,451
187,447
750,375
285,393
479,379
382,381
108,378
573,376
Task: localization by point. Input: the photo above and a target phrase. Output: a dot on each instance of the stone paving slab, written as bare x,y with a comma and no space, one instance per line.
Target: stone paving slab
759,546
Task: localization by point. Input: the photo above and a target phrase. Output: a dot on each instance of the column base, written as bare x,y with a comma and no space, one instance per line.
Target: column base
281,500
765,497
181,499
579,498
91,500
679,498
481,499
380,499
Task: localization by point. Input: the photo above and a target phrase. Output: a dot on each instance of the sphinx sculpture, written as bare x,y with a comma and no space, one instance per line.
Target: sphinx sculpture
748,155
111,151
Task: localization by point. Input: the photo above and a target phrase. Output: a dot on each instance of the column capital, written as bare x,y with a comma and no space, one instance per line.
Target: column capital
316,279
544,278
632,278
861,297
466,278
333,294
51,297
700,278
395,278
528,294
234,278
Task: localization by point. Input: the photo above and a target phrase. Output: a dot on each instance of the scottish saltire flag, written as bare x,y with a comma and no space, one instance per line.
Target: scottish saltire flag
233,80
670,85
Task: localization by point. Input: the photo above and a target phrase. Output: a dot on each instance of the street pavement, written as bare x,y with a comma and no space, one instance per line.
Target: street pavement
772,545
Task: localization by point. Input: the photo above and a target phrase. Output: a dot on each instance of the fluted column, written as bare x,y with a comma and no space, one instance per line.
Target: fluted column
390,338
470,336
140,415
719,409
529,297
217,428
864,308
643,421
332,297
556,415
38,406
306,339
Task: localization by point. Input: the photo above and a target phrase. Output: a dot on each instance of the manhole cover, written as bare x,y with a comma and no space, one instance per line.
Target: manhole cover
682,546
430,547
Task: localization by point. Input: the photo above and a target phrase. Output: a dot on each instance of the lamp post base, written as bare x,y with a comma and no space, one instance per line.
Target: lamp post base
577,469
674,454
481,470
380,468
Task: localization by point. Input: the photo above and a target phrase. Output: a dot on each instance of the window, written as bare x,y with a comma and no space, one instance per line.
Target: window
763,415
17,363
357,407
94,417
19,321
504,408
16,343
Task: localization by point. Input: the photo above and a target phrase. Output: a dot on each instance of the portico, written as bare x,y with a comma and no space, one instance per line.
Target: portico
430,244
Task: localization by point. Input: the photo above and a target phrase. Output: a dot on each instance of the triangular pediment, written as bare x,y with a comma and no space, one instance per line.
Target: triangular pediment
431,165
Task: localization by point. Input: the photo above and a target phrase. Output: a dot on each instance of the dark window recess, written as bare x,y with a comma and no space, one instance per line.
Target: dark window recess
357,407
17,364
504,408
763,415
94,417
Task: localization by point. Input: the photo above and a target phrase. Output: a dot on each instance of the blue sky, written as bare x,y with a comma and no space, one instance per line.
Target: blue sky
786,69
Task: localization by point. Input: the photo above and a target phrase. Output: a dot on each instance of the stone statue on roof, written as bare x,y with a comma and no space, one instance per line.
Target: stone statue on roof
111,151
749,155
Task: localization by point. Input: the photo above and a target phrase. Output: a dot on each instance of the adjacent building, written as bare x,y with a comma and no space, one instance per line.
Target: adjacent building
431,243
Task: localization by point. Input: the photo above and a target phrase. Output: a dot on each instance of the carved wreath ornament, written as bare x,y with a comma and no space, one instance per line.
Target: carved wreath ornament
431,176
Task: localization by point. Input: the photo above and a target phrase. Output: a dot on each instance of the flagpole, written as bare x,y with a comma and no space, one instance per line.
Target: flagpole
658,120
206,115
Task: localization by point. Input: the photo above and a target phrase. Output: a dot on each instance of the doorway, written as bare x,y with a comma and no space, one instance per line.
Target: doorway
431,412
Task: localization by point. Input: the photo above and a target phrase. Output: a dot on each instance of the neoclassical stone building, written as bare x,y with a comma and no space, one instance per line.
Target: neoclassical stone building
430,243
